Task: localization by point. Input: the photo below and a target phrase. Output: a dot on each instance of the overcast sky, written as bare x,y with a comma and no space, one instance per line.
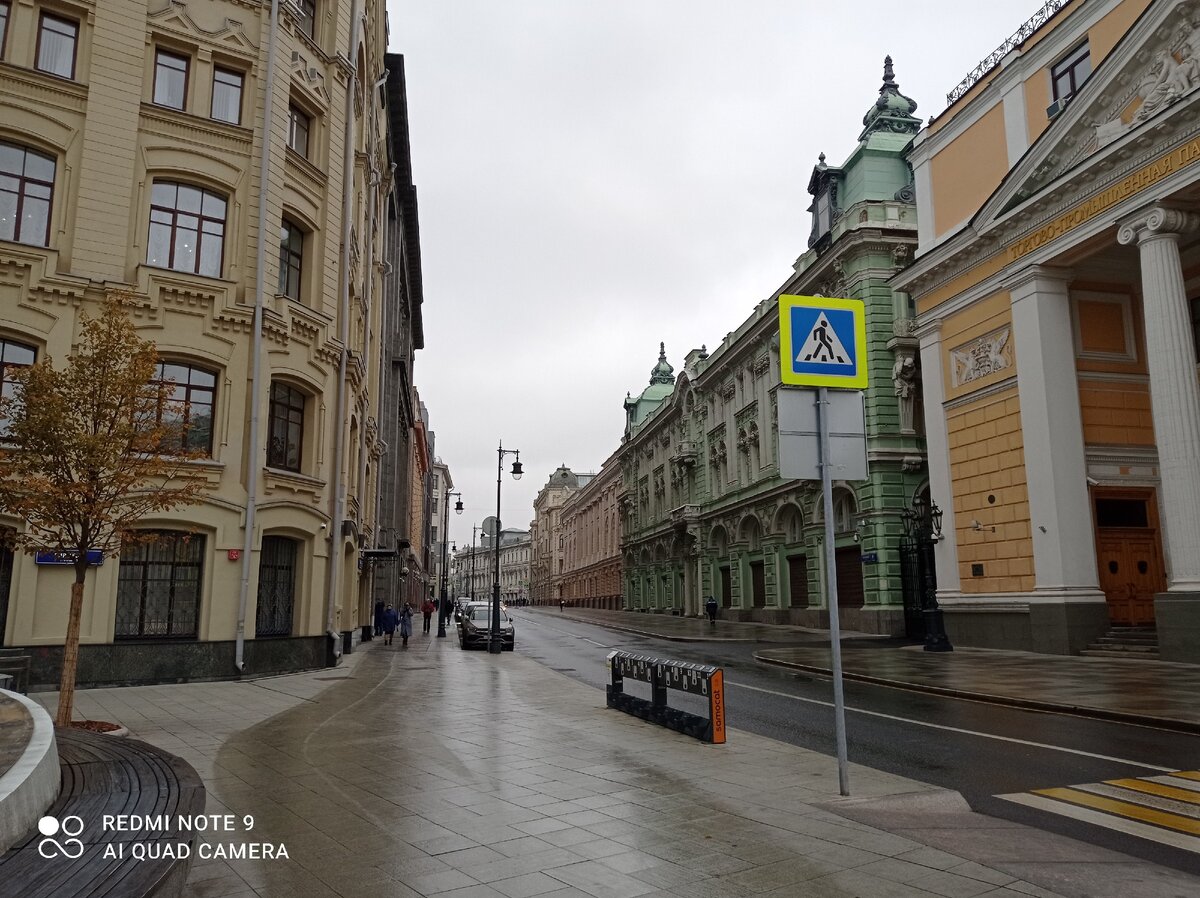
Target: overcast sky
596,176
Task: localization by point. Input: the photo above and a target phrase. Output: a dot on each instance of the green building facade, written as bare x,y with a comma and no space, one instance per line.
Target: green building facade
704,510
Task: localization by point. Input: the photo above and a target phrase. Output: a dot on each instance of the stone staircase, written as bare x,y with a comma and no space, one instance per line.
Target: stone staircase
1126,642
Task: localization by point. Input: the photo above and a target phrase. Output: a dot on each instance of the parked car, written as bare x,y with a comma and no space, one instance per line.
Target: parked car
467,604
475,627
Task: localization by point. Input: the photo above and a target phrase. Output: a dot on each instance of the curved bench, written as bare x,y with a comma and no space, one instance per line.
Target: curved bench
106,775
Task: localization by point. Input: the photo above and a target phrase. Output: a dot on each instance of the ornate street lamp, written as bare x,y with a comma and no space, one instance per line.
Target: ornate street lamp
444,603
923,524
494,645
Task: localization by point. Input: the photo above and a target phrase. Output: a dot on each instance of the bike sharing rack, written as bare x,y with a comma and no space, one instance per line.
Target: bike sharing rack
661,674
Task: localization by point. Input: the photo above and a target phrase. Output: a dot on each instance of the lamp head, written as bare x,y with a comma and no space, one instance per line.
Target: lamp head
458,507
516,470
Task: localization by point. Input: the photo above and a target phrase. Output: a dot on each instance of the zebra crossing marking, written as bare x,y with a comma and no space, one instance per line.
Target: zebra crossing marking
1162,809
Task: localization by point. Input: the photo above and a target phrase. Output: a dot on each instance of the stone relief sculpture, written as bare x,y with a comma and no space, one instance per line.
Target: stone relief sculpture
987,355
1168,80
906,379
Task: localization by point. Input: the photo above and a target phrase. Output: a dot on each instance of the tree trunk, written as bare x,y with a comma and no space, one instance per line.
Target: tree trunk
66,687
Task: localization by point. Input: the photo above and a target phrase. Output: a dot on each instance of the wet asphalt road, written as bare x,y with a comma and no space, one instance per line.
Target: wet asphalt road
978,749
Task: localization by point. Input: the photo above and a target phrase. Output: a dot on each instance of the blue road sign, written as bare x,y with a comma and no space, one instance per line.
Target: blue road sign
823,342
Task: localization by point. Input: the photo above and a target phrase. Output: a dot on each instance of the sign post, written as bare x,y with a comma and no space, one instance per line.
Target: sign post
823,344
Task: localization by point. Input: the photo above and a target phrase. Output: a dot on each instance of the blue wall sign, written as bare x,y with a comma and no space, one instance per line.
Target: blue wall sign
49,556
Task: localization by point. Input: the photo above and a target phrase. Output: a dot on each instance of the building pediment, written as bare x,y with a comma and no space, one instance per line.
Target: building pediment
176,16
1141,91
313,80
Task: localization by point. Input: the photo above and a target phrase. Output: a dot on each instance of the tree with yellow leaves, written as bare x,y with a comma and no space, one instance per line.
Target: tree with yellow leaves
89,450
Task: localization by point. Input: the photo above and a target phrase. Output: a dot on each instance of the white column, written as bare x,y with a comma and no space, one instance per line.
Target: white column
1174,390
1060,513
937,445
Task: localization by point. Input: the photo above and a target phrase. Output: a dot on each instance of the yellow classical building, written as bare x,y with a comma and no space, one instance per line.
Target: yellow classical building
227,162
1057,286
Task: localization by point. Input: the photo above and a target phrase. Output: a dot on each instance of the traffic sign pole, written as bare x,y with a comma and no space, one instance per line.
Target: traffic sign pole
831,599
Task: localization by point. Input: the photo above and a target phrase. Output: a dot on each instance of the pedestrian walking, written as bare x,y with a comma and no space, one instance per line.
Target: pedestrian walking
406,616
427,610
562,603
387,623
710,605
379,618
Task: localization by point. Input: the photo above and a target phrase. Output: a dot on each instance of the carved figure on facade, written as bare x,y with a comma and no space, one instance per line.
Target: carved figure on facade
906,381
987,355
1167,82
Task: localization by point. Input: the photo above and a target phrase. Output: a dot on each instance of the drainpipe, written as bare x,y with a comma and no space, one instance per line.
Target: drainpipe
339,499
253,451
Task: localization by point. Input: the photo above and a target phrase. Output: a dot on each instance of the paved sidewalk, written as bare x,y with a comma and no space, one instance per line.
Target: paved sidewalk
431,771
1156,693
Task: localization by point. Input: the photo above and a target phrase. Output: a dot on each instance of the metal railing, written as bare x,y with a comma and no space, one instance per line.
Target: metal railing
993,59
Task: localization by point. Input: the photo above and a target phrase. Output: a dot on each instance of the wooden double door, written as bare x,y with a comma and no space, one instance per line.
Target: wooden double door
1129,554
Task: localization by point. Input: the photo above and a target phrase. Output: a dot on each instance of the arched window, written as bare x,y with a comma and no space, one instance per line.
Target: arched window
291,260
190,397
187,229
12,355
276,586
286,442
26,194
158,587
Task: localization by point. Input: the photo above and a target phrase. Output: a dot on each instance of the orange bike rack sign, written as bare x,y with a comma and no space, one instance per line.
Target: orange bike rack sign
695,679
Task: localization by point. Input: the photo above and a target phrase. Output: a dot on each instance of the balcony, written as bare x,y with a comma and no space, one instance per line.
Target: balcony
684,516
685,454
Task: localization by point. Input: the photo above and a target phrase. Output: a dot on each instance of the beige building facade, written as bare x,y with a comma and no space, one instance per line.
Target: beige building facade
1057,287
548,536
591,527
230,170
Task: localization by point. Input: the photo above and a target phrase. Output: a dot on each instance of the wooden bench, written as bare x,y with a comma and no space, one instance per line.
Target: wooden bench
108,775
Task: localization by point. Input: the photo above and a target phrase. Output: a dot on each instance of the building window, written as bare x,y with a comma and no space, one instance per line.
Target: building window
308,17
3,27
298,127
227,96
158,587
190,395
276,586
824,218
287,427
187,229
170,79
12,355
1069,73
56,46
291,259
26,192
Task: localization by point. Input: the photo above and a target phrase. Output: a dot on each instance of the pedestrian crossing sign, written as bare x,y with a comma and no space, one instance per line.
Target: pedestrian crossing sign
823,342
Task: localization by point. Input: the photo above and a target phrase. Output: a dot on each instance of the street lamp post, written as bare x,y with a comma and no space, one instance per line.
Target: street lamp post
458,509
923,524
494,645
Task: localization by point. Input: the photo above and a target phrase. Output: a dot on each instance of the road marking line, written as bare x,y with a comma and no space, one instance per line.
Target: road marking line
1176,781
1188,774
1129,827
965,732
1124,809
1186,796
1141,798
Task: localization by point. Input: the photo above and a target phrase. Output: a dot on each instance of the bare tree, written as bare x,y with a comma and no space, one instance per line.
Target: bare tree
88,451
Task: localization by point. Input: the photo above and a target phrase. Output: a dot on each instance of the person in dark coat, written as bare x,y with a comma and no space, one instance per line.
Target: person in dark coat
387,623
427,610
379,618
406,616
710,605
